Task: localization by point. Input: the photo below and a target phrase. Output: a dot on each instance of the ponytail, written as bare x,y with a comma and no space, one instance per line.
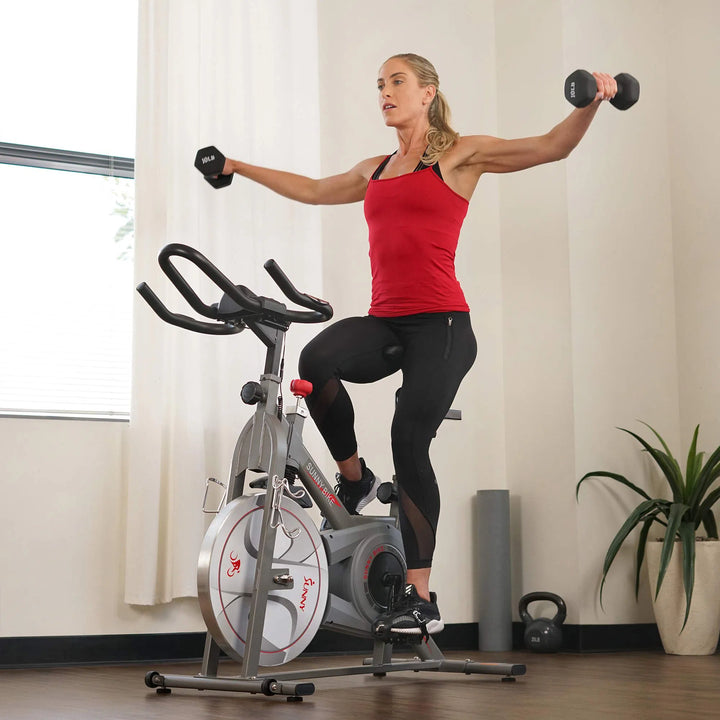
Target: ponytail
441,137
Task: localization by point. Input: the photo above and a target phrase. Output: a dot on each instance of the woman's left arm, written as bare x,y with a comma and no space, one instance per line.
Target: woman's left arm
496,155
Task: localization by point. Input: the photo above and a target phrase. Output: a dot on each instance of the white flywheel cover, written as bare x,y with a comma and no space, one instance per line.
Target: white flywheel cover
226,574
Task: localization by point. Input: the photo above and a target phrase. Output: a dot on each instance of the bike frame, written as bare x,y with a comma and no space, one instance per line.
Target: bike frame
270,442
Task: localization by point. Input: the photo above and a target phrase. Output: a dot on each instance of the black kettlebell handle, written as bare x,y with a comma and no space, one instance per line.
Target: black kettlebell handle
534,597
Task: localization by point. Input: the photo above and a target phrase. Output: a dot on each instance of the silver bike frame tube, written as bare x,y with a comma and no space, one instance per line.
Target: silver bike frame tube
262,446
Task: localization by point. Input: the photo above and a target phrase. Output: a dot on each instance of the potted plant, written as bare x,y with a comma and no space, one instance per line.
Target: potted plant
672,569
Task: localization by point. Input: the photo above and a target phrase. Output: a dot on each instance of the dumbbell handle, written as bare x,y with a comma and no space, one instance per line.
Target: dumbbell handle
581,89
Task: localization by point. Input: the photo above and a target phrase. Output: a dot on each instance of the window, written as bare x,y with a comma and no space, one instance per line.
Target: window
66,278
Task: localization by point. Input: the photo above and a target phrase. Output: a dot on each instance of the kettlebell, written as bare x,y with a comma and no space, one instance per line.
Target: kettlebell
542,634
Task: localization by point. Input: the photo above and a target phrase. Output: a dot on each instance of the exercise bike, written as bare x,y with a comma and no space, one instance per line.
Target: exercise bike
268,579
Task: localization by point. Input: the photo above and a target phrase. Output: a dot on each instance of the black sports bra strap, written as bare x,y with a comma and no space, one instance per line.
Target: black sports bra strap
434,166
378,172
420,166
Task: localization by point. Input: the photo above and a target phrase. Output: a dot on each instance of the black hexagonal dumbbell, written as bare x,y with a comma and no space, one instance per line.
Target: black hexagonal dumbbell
581,88
210,162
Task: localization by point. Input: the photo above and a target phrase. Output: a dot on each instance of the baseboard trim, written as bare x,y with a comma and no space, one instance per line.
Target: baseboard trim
53,651
601,638
99,649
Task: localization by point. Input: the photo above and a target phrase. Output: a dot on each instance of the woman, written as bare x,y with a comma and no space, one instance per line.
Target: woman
415,202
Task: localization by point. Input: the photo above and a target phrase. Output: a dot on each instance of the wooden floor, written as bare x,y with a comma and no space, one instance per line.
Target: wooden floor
583,687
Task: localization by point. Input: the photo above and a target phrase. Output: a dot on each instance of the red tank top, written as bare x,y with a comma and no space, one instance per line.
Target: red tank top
414,222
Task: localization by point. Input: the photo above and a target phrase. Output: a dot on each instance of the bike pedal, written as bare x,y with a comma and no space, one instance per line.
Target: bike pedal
396,639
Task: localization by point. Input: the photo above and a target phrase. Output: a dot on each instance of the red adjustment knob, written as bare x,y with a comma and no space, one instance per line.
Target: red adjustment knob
301,388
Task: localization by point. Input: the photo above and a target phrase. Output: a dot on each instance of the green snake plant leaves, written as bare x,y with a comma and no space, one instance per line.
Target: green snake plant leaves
689,505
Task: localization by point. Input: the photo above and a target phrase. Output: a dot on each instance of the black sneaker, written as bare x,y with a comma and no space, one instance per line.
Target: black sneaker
356,495
412,616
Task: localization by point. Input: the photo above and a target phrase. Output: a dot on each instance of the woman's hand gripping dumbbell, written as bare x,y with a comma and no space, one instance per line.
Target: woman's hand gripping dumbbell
210,162
582,87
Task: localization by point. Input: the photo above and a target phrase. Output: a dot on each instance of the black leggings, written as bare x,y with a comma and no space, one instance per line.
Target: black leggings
438,350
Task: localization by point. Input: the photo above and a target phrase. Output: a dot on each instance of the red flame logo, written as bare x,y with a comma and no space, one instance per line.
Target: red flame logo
234,565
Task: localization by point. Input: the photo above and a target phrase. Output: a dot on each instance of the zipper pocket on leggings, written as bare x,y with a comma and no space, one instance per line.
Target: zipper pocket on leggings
448,338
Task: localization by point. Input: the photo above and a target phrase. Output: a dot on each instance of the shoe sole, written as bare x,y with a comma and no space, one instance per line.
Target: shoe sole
372,495
433,627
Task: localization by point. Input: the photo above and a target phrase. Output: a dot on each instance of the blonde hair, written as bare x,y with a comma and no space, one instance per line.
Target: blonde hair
440,137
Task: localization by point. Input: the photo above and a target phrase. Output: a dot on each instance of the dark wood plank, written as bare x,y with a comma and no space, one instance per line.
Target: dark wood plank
583,687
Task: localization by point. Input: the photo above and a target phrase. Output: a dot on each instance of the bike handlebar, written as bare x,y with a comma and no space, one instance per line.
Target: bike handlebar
183,321
248,303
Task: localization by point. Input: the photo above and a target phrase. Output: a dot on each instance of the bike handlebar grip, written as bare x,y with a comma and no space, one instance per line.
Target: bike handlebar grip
292,293
213,273
175,249
182,321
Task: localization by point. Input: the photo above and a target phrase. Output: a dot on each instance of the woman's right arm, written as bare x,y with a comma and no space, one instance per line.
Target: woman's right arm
348,187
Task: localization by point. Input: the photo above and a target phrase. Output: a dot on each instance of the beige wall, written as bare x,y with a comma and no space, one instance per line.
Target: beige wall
622,289
62,534
591,283
693,60
537,333
588,292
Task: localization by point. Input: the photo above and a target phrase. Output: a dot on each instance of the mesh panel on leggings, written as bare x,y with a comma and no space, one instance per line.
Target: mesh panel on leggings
421,533
320,403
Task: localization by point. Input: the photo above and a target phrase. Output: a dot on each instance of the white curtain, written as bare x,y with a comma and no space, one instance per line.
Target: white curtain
241,75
